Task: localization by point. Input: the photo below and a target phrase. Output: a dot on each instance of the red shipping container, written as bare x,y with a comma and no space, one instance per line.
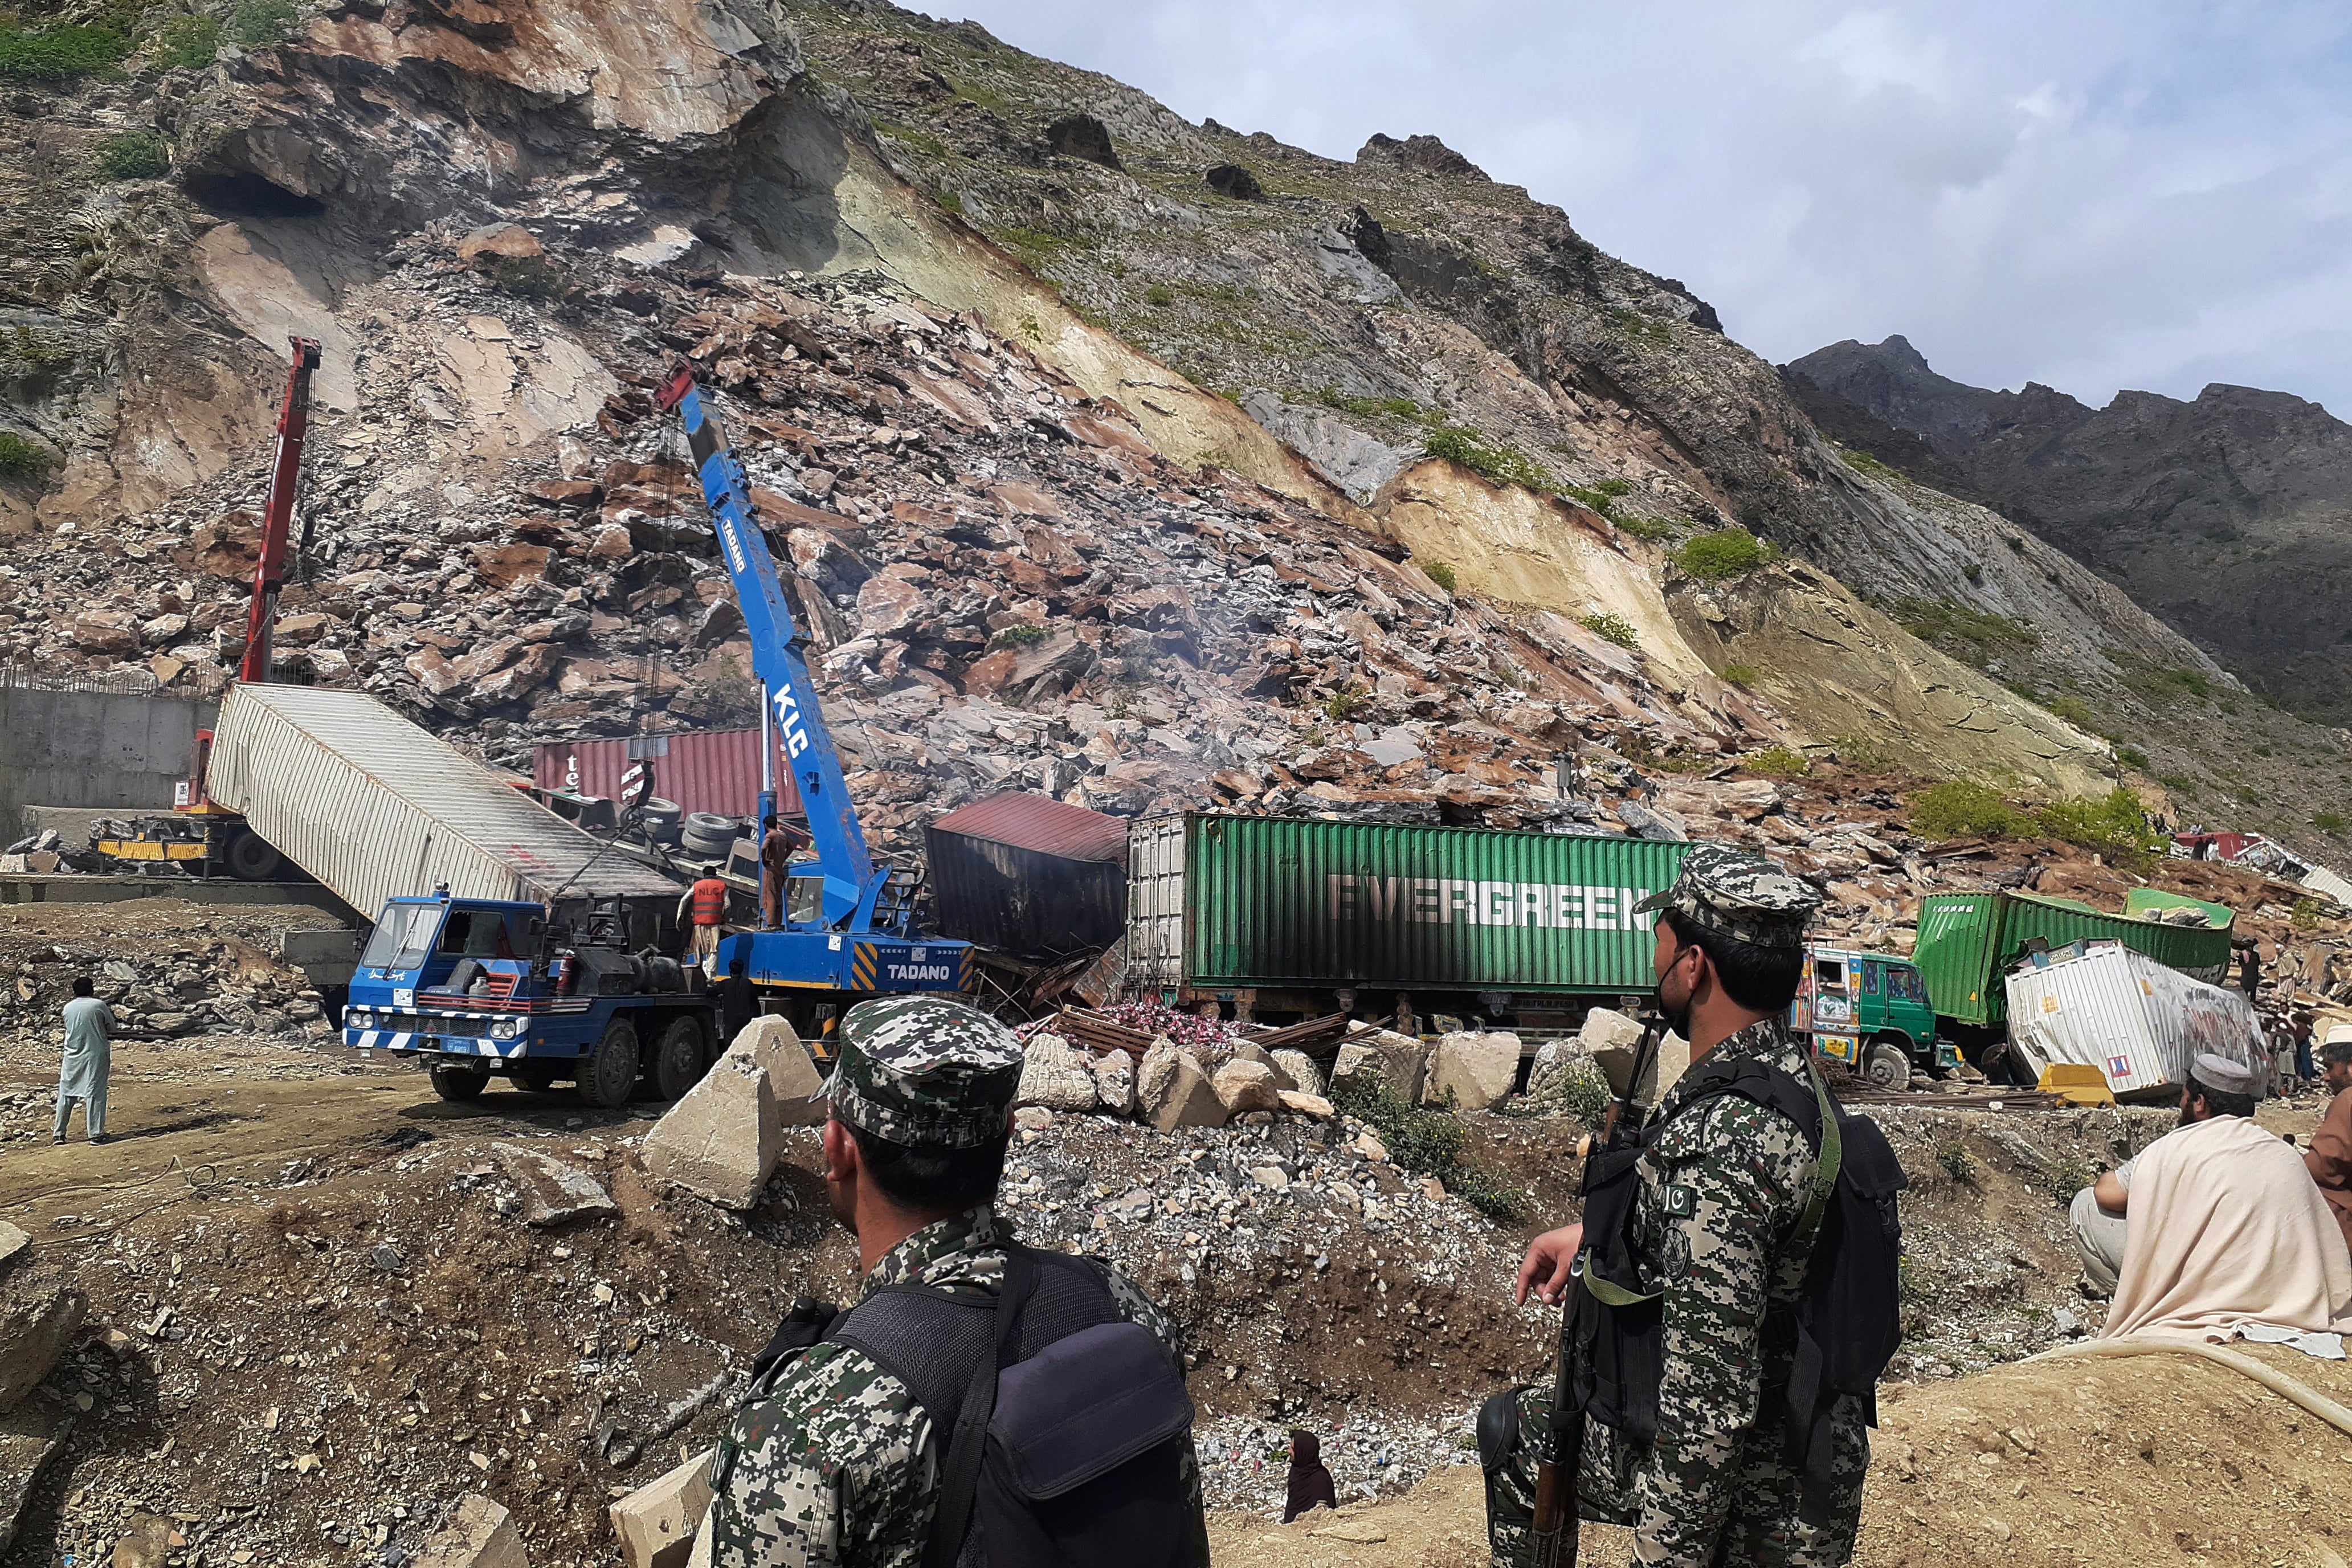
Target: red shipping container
713,770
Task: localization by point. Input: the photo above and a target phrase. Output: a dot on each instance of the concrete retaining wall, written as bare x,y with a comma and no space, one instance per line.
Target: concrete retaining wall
103,751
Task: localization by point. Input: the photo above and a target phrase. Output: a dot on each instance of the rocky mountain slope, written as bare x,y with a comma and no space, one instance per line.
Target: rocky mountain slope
2226,515
1043,385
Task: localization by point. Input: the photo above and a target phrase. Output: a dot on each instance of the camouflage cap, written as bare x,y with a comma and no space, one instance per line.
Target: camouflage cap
925,1071
1741,895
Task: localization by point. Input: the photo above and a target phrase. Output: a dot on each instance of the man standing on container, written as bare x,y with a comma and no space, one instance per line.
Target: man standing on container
706,903
1712,1239
88,1058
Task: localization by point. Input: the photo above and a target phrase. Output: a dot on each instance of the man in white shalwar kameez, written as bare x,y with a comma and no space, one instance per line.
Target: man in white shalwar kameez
90,1057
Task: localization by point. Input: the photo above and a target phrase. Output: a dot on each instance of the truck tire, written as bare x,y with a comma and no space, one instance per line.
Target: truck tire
537,1077
460,1083
250,858
609,1073
677,1062
1889,1067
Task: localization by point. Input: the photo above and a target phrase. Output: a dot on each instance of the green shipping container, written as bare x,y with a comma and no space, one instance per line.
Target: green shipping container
1968,943
1223,903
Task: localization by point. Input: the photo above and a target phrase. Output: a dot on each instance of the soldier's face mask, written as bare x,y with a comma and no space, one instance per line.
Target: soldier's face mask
1677,965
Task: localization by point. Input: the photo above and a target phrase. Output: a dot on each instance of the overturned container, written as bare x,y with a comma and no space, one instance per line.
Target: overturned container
2139,1022
376,808
1029,876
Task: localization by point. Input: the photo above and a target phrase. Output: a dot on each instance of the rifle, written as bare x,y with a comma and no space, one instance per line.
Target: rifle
1557,1533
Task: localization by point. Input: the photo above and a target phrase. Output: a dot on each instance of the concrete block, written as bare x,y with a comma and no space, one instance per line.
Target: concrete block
656,1523
1055,1076
552,1192
35,1330
1475,1069
11,1241
1115,1083
722,1141
794,1081
1300,1070
478,1533
1174,1092
1246,1086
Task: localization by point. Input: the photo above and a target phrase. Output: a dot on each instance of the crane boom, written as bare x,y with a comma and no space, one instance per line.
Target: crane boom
269,571
852,884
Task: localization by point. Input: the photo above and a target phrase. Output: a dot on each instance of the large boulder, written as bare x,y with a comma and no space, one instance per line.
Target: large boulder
1300,1070
1249,1051
1055,1076
792,1079
35,1330
1556,1064
31,1439
1475,1069
1246,1086
1115,1083
1174,1091
1612,1040
1397,1061
722,1141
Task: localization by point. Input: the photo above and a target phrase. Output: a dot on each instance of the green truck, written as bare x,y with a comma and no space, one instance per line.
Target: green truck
1870,1011
1970,941
1282,917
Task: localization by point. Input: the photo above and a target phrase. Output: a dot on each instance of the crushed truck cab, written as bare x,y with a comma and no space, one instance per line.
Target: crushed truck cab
477,988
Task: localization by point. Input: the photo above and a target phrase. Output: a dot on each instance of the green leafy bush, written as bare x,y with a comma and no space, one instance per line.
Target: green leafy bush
1742,674
59,54
1440,572
1027,636
1959,1165
1864,754
1777,762
1584,1094
1652,530
2327,821
1960,809
1725,554
133,155
1425,1142
1160,296
2132,757
1396,407
2115,824
20,458
258,23
949,201
1616,628
185,43
1501,464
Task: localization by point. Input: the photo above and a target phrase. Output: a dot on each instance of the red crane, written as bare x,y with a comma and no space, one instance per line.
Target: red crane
269,573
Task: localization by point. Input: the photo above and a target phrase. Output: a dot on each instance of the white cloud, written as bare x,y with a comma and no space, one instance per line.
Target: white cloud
2151,194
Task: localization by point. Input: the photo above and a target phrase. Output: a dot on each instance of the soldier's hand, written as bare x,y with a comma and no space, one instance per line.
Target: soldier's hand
1545,1269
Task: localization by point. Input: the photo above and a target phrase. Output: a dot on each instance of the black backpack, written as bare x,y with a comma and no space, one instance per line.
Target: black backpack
1846,1323
1066,1424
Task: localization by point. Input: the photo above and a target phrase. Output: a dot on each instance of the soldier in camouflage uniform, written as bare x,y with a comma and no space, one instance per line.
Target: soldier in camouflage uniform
1713,1228
829,1459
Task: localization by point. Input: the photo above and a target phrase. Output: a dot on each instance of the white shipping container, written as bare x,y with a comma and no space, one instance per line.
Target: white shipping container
2138,1021
376,808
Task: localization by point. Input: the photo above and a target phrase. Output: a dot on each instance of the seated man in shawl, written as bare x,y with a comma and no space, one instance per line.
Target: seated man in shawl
2216,1087
2215,1228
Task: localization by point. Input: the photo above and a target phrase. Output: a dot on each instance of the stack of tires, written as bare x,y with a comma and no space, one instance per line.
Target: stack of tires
706,836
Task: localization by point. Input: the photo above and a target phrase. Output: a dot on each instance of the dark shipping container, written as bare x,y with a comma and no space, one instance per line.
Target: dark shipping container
1220,904
716,771
1029,876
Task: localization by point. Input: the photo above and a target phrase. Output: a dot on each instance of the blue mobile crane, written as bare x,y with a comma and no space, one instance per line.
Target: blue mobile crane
566,987
848,925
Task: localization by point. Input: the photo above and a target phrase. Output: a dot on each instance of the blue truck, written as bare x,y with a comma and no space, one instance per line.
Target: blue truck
544,962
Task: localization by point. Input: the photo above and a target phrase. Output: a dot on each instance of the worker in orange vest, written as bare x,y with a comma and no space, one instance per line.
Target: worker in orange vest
706,902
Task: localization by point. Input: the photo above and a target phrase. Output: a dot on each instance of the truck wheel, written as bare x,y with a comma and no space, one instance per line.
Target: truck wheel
1890,1068
609,1072
536,1077
677,1064
250,858
460,1083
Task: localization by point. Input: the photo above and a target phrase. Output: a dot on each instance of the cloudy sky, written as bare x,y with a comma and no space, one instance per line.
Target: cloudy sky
2091,193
